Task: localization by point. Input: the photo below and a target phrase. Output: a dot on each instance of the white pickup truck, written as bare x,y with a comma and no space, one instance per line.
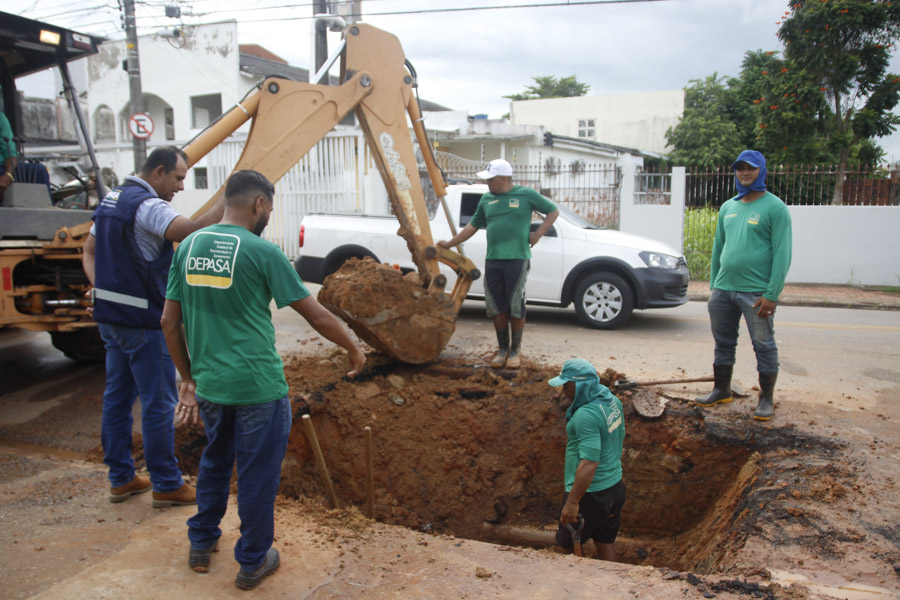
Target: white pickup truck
606,273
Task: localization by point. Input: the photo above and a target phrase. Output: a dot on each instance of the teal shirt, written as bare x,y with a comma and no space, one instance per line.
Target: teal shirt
225,278
596,432
508,221
752,249
7,148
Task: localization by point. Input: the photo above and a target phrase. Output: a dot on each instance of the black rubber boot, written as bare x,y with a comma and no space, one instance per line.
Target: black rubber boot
513,361
499,361
721,387
766,406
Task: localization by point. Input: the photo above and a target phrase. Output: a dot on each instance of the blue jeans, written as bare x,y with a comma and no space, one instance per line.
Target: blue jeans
138,364
257,436
725,310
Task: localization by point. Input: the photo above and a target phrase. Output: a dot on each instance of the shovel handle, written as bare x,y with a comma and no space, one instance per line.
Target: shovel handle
630,384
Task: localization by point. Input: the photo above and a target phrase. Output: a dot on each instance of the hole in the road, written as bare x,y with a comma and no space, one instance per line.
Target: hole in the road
478,454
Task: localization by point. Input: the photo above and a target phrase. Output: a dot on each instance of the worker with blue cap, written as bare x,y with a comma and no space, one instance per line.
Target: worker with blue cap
595,428
750,260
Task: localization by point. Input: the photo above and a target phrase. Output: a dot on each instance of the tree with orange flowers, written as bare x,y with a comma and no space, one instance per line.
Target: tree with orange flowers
842,48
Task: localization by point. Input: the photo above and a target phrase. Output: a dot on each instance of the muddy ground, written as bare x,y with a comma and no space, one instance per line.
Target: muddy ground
713,496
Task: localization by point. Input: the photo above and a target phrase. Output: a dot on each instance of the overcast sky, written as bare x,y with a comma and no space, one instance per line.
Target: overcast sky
470,59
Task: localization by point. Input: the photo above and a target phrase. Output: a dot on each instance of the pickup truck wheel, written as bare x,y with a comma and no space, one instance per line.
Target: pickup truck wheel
603,301
84,345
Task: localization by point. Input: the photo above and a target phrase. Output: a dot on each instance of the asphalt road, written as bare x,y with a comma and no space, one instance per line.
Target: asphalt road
826,354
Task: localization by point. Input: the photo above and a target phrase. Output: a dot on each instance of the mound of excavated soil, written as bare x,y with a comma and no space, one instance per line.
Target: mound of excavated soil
390,311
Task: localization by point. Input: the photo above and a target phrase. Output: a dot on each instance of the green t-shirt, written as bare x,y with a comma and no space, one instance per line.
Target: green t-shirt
508,220
752,249
596,432
225,277
7,146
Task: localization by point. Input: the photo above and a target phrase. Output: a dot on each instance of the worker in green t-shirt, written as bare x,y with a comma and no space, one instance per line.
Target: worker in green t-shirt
8,157
595,432
750,260
506,211
221,283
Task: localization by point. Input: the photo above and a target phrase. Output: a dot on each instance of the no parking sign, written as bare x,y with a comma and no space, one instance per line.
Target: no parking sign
140,125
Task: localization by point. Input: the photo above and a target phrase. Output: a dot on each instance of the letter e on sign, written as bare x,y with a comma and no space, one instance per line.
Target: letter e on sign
140,125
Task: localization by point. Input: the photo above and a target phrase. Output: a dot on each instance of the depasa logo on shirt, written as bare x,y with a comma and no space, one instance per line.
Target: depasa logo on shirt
514,203
210,259
753,219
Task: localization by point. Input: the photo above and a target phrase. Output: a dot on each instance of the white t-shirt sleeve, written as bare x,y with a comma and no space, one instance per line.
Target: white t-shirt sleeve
151,220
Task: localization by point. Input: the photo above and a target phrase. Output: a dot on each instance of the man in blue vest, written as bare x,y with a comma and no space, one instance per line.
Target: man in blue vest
127,257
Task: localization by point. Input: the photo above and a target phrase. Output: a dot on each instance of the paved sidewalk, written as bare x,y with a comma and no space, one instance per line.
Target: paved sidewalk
834,296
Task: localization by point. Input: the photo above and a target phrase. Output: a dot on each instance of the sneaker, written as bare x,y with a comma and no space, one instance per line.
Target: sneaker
247,580
183,496
138,485
198,559
513,362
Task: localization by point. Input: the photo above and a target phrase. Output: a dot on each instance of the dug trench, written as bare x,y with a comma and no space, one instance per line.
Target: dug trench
476,453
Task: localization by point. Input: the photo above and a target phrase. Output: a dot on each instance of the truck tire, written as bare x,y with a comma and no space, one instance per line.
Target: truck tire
603,301
83,345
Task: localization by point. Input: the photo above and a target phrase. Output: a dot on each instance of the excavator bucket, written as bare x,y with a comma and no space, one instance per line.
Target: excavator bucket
390,311
408,317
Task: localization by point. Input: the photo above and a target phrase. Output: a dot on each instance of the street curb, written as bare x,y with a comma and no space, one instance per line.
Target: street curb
815,301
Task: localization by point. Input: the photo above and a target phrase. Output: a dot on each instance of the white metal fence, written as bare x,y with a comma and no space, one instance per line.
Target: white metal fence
330,178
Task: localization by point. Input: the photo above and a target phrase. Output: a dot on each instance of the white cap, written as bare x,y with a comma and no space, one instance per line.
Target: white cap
498,166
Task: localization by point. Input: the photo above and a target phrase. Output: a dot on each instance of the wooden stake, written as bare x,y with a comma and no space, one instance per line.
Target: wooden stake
320,460
370,478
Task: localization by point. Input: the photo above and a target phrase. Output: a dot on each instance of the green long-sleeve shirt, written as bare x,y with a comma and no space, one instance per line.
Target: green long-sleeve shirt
752,249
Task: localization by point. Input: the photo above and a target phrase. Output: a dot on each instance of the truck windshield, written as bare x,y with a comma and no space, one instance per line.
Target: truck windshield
574,218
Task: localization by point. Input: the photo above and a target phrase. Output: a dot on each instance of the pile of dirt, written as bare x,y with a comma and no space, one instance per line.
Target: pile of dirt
390,311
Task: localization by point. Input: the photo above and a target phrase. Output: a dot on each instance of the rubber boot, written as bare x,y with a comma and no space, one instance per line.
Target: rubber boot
721,388
513,361
766,406
499,361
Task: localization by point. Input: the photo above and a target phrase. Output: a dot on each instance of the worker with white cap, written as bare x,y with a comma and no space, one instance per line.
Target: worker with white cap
506,212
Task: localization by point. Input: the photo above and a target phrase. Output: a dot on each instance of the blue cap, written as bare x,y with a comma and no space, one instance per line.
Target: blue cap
574,369
752,157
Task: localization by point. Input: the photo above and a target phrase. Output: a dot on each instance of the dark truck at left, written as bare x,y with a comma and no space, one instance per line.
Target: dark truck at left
42,282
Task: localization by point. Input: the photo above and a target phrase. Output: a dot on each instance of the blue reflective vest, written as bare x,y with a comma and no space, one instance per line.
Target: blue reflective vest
129,289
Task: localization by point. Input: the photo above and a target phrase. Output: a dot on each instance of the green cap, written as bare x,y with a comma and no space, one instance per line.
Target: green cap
574,369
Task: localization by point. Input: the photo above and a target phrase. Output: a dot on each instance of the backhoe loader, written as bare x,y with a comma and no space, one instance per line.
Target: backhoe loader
408,318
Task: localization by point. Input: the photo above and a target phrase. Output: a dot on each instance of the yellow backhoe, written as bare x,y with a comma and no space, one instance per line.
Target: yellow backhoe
408,318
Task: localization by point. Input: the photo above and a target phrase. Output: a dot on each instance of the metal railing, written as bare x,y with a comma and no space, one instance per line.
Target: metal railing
592,191
799,185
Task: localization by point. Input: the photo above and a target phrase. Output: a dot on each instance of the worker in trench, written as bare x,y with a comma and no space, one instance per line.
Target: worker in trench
221,283
595,430
506,211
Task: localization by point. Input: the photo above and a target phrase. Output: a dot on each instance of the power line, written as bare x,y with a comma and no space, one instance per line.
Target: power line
566,3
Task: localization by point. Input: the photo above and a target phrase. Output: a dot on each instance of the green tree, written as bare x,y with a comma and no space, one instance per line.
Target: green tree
707,135
548,86
843,48
782,112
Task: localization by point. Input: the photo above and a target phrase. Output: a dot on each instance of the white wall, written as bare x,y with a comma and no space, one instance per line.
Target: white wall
663,222
857,245
205,61
631,120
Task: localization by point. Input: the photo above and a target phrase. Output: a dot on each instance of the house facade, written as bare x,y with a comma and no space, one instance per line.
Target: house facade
637,120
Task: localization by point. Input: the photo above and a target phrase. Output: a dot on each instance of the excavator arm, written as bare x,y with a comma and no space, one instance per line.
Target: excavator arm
411,319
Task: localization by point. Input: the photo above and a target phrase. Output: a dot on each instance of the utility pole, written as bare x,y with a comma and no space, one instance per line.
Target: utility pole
320,7
350,11
139,146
